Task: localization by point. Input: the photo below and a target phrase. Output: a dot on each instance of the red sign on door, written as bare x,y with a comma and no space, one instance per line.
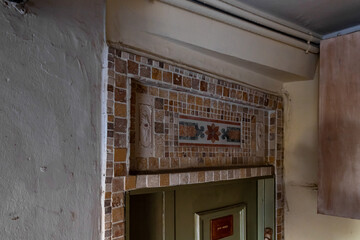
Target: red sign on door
222,227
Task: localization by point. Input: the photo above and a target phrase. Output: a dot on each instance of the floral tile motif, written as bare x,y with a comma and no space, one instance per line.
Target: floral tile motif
213,133
202,131
232,134
190,131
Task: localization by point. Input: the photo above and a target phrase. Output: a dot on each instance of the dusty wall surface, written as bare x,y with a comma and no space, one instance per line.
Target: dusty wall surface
50,120
301,166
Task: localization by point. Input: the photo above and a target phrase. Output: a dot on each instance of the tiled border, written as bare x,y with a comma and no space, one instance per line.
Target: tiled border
124,65
168,152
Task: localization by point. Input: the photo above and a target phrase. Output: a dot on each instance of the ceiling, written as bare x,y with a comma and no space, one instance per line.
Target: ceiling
322,17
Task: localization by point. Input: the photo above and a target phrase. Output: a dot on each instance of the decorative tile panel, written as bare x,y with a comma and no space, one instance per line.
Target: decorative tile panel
152,94
260,139
208,132
145,126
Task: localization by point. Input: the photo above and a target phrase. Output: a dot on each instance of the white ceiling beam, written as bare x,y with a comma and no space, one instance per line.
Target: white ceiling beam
248,26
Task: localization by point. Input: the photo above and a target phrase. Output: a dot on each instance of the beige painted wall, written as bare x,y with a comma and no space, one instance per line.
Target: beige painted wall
301,132
206,44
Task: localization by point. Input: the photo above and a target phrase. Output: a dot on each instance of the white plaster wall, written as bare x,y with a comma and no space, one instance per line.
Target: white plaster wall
50,120
301,163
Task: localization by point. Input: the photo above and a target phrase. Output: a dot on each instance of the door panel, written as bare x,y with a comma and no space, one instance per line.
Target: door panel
339,127
205,198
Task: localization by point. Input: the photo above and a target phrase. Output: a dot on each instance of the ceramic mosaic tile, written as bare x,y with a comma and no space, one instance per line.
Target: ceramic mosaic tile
152,95
208,132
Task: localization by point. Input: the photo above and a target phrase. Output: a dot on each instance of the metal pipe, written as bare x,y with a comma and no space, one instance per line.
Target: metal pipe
279,25
245,25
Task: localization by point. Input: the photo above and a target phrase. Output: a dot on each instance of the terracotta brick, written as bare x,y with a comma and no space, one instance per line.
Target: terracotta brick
191,99
110,118
184,178
118,229
233,93
159,127
118,184
203,86
120,65
117,214
159,103
120,110
154,91
167,77
141,164
164,163
120,125
153,163
119,169
173,96
174,179
130,182
207,102
216,175
164,180
223,175
182,97
119,140
211,88
193,177
145,71
226,92
121,81
245,96
239,95
120,155
107,195
163,93
201,177
156,74
177,79
118,199
187,82
140,181
133,68
219,90
174,163
159,115
153,180
209,176
108,225
111,73
108,233
195,84
120,95
141,88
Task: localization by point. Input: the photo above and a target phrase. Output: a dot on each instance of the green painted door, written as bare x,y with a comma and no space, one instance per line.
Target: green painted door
202,198
173,213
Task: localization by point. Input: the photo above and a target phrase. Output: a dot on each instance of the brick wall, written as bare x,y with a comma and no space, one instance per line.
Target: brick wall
171,125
